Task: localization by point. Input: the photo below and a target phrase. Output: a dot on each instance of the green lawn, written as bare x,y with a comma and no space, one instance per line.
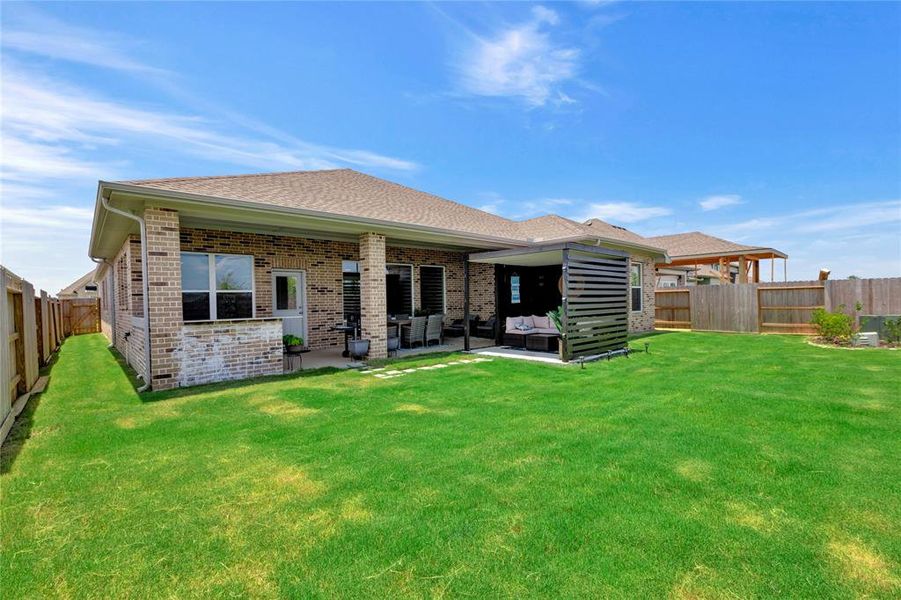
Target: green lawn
715,466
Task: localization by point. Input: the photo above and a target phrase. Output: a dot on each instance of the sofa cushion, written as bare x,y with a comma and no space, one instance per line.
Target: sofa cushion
512,322
528,320
541,322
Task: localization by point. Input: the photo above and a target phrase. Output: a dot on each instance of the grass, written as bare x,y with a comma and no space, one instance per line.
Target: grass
715,466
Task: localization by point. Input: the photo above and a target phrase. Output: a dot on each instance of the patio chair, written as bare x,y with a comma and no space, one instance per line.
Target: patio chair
433,329
414,333
488,329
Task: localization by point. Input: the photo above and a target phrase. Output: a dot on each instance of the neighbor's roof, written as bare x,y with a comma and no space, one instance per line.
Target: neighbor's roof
695,243
79,283
345,192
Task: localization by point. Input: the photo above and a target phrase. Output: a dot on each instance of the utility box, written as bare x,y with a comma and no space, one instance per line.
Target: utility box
867,339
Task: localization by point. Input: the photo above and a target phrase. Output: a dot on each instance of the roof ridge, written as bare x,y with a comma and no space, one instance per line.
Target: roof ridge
236,175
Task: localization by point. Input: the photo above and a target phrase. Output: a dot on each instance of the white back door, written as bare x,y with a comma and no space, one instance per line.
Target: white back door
289,299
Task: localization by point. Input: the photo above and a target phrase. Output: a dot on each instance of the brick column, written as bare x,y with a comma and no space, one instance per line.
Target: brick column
164,294
373,301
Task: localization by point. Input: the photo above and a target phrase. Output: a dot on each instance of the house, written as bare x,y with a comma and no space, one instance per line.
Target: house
201,276
698,258
83,287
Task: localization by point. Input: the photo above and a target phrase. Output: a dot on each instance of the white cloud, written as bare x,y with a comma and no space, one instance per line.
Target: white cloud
47,217
622,212
520,61
719,201
36,33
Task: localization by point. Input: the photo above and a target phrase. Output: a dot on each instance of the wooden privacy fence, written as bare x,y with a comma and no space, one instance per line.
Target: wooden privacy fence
673,308
80,315
31,330
783,307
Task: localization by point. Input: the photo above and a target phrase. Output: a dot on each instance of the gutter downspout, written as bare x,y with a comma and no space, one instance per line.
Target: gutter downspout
144,284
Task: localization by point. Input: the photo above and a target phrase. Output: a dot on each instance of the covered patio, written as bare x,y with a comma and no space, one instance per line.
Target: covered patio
589,284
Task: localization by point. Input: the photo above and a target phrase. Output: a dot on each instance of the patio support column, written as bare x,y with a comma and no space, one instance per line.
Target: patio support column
742,270
373,298
466,346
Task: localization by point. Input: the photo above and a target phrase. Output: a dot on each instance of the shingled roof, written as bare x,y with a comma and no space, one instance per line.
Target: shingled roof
345,192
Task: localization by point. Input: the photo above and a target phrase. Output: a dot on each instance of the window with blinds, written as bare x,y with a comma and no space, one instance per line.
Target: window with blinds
431,289
399,289
351,289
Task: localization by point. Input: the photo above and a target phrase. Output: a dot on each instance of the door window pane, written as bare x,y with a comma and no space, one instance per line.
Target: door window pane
285,292
234,272
195,272
195,306
234,305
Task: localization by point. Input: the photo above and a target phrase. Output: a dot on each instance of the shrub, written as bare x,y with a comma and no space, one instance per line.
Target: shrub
892,330
292,340
833,326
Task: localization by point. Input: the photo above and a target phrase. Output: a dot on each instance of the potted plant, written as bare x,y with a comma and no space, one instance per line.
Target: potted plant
292,343
556,317
358,348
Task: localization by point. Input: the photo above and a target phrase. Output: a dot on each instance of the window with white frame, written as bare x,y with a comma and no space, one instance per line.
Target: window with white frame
216,286
635,286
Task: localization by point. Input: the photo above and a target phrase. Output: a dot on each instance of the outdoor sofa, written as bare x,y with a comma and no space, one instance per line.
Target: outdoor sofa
517,329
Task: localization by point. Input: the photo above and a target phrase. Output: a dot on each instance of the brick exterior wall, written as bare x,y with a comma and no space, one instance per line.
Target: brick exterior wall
117,299
319,259
644,320
164,294
373,301
134,347
228,350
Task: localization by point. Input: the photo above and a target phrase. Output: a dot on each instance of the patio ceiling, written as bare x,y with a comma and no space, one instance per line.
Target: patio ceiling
540,256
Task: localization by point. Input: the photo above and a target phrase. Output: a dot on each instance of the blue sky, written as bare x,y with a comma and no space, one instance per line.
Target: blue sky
772,124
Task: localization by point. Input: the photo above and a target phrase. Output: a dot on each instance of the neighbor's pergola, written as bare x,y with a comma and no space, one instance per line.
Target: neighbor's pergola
594,293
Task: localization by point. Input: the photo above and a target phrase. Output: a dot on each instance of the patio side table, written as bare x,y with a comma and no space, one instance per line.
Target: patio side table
543,342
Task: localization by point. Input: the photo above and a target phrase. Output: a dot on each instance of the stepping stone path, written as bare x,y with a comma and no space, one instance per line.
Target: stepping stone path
386,373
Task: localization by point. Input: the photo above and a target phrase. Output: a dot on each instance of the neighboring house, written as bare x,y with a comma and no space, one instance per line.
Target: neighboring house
668,276
83,287
698,258
201,276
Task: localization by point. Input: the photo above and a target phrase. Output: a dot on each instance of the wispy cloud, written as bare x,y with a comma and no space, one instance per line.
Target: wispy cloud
36,33
719,201
519,61
832,219
621,212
